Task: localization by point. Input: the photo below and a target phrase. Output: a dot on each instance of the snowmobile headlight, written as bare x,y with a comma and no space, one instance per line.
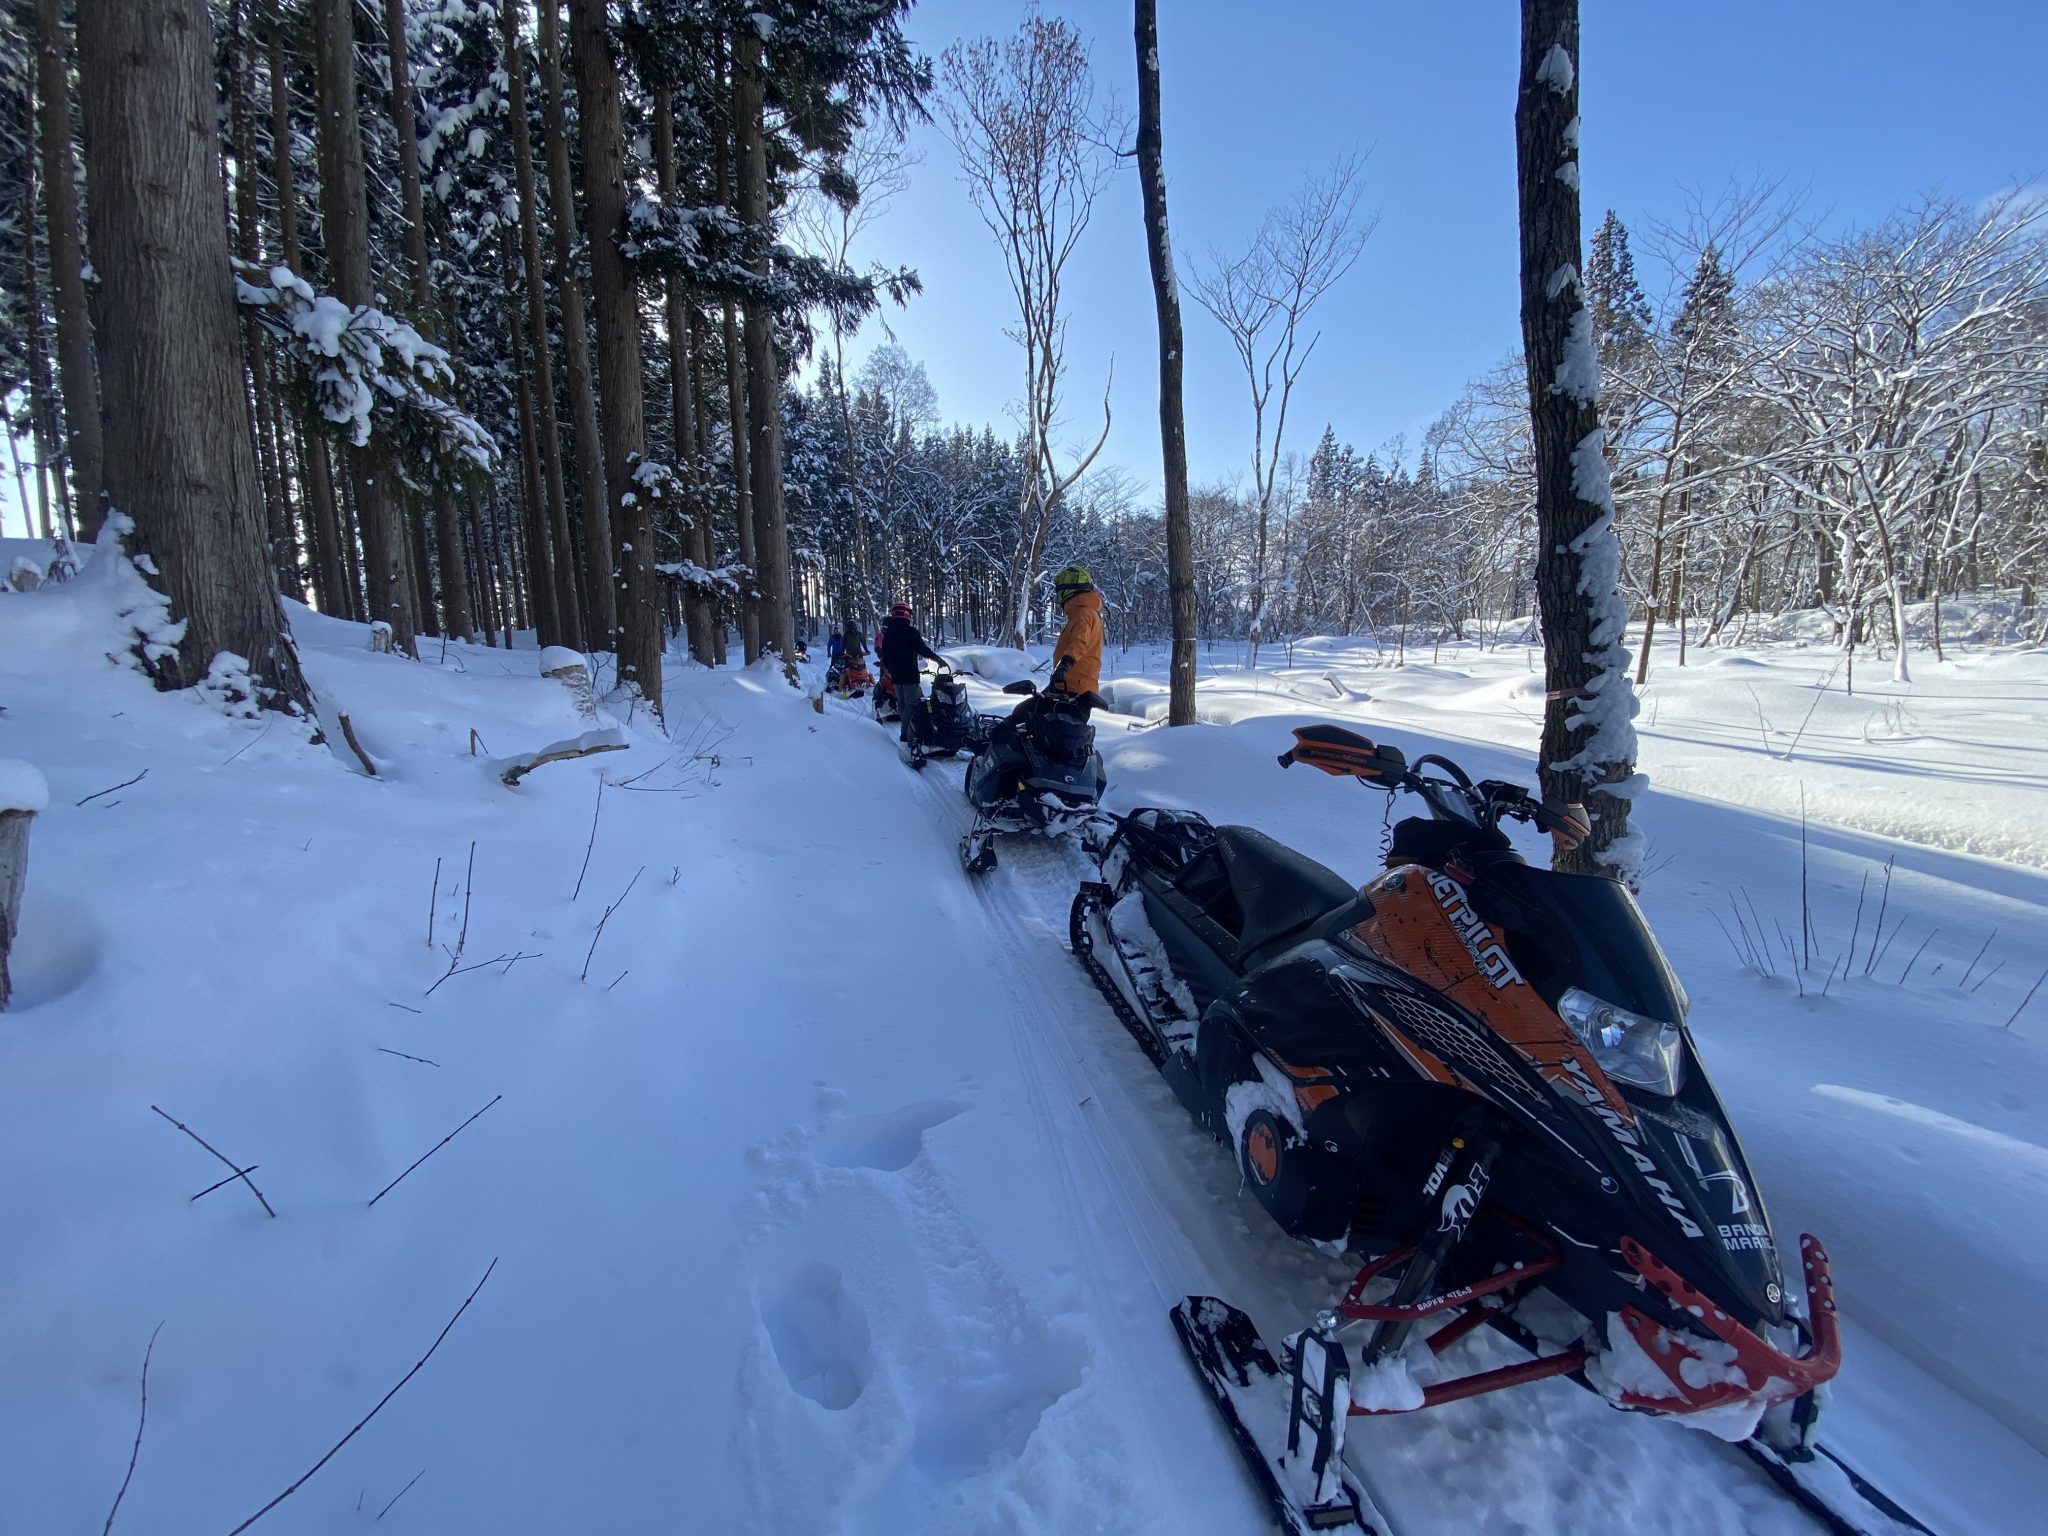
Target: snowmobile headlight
1630,1048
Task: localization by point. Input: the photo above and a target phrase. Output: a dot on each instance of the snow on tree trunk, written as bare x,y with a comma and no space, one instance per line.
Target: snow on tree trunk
1589,744
183,465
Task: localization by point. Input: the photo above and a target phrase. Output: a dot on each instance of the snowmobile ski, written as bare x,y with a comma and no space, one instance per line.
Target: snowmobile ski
1833,1492
1288,1424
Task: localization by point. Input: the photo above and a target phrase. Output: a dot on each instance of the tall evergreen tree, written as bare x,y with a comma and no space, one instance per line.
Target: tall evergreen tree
182,465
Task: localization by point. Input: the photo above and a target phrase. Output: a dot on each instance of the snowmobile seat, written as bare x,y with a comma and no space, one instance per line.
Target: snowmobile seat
1278,890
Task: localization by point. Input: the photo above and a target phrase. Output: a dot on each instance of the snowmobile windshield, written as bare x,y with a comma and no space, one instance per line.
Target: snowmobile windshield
1583,931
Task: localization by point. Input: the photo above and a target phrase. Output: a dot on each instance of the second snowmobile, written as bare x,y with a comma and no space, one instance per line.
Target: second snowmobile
1475,1075
1038,770
946,725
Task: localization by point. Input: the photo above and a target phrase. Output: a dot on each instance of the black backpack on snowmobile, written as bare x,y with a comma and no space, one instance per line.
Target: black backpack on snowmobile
1476,1074
1038,770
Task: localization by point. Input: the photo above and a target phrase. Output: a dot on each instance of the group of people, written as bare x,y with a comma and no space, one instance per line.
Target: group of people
900,646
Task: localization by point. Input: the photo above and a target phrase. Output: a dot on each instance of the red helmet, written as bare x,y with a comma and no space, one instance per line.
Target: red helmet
899,610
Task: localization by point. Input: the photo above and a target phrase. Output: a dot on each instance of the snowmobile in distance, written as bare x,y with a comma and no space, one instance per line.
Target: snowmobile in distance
1476,1076
848,676
947,725
1038,770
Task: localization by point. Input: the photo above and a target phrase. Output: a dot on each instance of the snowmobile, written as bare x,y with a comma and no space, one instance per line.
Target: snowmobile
883,700
848,676
1475,1076
947,725
1038,770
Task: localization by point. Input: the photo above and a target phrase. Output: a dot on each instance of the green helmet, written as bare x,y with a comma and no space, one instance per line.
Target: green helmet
1071,580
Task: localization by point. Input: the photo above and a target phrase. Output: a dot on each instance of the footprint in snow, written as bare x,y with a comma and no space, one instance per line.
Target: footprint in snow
887,1142
819,1333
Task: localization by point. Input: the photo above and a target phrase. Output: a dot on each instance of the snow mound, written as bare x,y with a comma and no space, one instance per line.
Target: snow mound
22,786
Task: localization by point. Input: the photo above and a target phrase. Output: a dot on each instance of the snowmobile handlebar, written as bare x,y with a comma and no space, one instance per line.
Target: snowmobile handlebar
1454,797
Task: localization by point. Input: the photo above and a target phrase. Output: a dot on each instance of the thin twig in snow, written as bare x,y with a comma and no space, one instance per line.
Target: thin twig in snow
141,1418
1897,928
595,811
2027,999
1979,955
112,787
434,902
401,1493
1883,902
344,1440
1995,969
407,1009
468,885
508,961
617,979
1908,971
245,746
216,1184
421,1059
608,911
227,1161
1805,903
1856,928
437,1146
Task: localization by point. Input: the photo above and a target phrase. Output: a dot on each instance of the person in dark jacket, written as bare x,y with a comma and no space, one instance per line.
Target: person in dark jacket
900,646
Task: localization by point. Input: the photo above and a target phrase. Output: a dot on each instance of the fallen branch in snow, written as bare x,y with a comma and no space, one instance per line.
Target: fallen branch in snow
608,911
227,1161
591,841
437,1146
424,1061
348,734
141,1418
122,785
344,1440
216,1184
508,961
401,1493
513,769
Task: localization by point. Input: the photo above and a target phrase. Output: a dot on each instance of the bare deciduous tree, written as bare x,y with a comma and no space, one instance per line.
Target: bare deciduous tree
1262,299
1034,147
1173,436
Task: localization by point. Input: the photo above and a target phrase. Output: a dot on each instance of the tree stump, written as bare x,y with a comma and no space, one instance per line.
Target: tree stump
14,827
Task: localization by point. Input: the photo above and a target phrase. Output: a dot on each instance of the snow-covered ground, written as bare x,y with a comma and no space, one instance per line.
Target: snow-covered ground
823,1192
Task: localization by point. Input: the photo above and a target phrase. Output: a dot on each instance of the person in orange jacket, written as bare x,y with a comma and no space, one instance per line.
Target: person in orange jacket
1081,634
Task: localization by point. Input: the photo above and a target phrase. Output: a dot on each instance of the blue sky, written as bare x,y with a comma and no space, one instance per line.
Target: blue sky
1865,102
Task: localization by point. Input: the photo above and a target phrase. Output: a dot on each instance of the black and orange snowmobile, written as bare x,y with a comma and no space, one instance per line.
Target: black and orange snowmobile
848,675
1475,1075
